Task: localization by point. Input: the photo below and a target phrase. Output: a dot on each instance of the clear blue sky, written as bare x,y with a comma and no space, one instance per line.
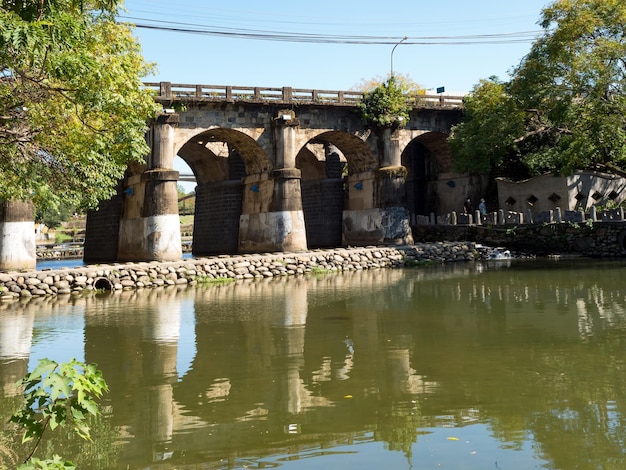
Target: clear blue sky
239,50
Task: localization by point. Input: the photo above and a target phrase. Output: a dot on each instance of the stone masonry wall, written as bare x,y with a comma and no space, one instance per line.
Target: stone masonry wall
322,203
216,222
102,231
597,239
242,268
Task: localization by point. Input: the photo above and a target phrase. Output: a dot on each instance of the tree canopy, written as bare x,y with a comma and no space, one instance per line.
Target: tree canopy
406,84
564,107
72,110
384,106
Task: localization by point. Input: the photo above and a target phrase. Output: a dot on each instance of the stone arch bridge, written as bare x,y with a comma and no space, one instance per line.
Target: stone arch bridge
278,169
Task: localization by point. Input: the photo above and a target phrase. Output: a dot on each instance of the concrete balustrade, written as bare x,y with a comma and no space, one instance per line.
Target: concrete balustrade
167,91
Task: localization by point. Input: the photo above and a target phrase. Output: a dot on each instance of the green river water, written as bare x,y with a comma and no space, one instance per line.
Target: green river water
510,365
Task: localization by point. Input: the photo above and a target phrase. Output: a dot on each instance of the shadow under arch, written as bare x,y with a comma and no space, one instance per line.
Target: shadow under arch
426,157
219,159
324,162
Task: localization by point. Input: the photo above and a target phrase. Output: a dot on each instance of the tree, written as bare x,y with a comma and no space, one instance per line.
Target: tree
385,106
186,202
404,82
73,113
486,138
565,105
53,217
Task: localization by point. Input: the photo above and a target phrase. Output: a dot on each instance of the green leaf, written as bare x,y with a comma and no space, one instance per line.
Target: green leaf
44,367
60,386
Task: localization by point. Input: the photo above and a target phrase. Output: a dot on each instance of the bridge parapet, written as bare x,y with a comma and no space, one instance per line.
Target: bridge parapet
167,93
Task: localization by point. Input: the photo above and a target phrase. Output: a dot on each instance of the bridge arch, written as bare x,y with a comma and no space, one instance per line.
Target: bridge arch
219,159
207,152
426,157
324,161
356,151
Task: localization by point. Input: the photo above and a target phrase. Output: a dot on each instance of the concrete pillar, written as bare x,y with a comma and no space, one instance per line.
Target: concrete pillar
285,137
272,217
376,212
17,229
162,140
150,225
392,154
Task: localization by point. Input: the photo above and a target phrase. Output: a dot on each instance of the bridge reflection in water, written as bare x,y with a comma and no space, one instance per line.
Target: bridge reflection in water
519,363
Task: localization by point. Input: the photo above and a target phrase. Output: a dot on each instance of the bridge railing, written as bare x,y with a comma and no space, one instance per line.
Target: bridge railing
167,92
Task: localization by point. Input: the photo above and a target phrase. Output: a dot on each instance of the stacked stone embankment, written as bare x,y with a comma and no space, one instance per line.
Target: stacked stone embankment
146,275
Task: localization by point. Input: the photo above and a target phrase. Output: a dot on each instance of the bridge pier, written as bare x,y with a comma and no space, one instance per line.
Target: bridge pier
150,224
376,211
272,217
17,229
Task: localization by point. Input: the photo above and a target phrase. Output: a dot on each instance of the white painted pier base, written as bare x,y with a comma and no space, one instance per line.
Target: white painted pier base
17,236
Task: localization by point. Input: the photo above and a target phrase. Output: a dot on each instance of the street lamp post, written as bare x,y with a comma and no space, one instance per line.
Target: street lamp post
392,50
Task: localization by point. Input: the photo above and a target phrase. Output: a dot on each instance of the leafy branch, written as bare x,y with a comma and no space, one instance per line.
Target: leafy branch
58,395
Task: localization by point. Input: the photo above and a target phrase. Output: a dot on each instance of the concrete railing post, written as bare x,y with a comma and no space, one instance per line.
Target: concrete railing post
165,89
557,215
287,94
529,216
501,219
477,218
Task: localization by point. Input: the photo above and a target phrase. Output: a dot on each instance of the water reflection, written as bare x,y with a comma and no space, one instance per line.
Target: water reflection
469,365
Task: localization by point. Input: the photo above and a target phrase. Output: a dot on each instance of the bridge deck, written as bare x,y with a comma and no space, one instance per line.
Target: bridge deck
167,92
